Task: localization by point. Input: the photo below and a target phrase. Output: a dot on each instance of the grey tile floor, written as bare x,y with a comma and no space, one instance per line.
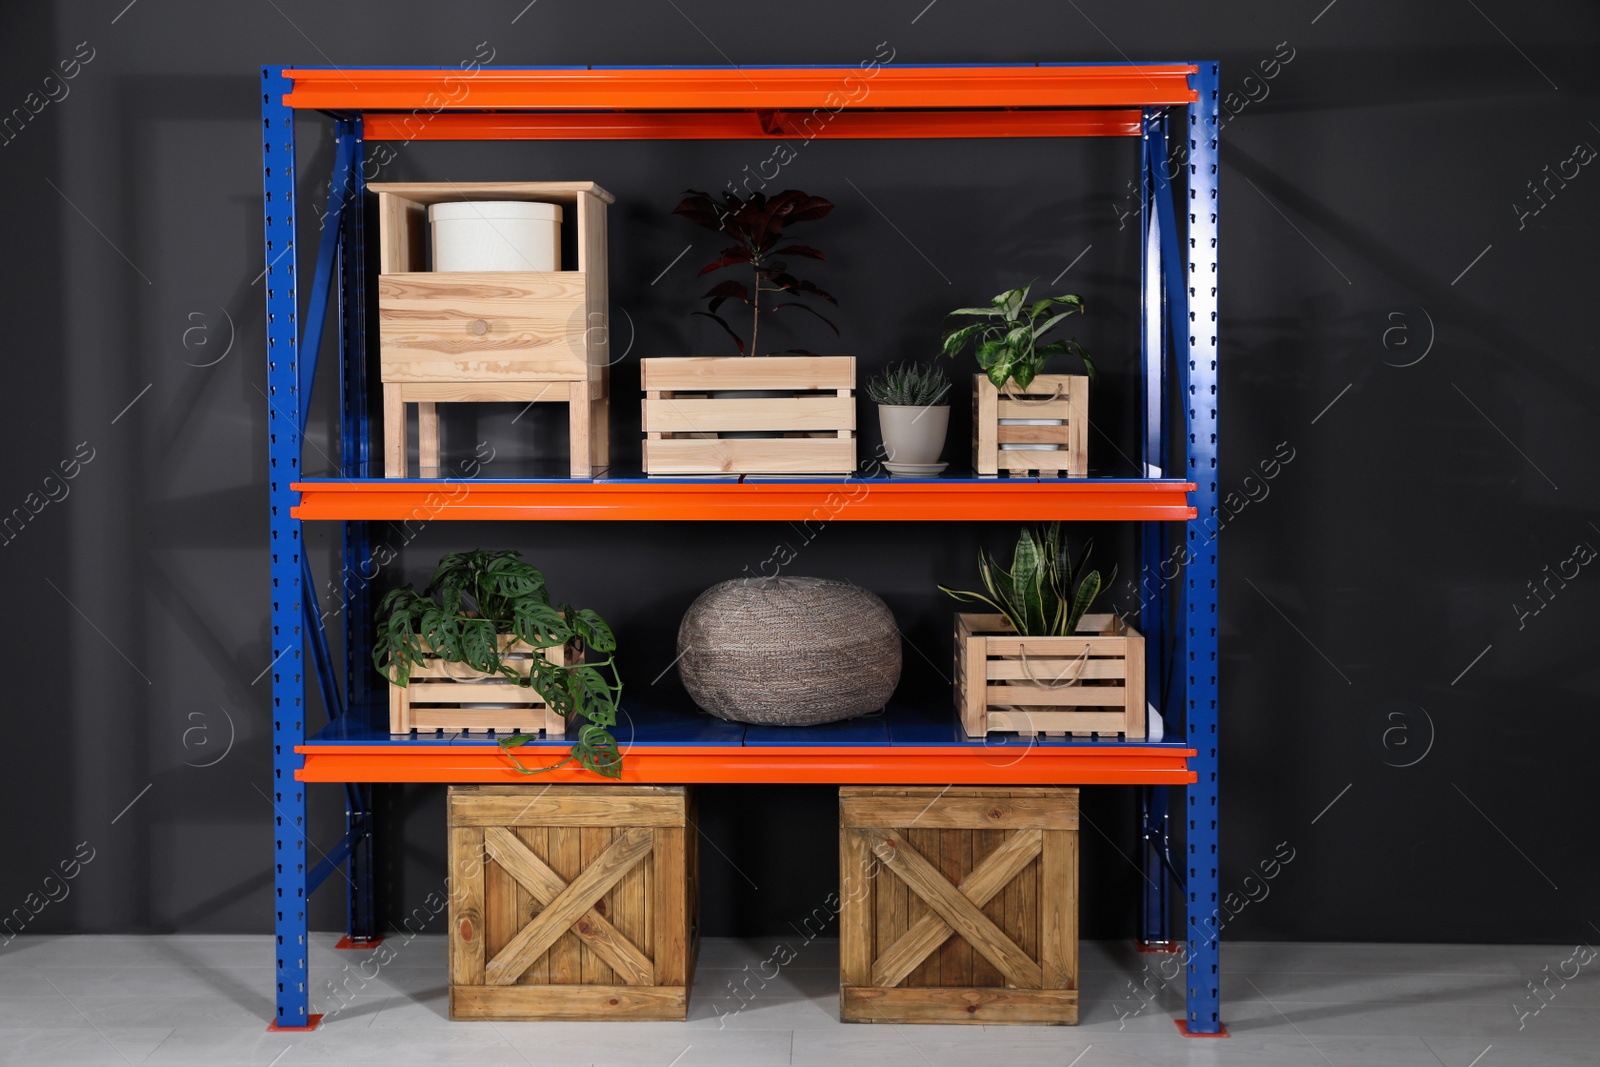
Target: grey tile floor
73,1001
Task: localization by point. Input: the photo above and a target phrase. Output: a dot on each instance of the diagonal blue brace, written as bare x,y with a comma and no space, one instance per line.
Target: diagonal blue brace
344,164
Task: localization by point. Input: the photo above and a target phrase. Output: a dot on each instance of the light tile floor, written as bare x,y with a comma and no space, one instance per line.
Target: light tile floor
75,1001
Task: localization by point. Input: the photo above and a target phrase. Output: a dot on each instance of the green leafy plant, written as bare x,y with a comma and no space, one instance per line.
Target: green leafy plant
909,385
473,598
1043,594
757,226
1007,343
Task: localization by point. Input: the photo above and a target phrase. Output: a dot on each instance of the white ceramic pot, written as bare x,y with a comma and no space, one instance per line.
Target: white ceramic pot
913,434
496,235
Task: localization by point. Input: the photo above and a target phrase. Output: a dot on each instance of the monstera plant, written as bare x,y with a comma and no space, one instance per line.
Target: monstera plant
476,597
759,227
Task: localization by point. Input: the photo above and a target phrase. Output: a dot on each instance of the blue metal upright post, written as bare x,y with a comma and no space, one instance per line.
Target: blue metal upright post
1197,608
353,589
288,638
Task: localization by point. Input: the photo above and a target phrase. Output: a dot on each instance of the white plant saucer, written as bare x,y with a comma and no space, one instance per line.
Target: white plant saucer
925,469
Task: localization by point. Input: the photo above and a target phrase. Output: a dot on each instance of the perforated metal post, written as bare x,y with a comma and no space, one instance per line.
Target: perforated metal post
283,468
1198,592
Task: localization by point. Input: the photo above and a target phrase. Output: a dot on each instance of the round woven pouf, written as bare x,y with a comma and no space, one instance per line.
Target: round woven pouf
788,651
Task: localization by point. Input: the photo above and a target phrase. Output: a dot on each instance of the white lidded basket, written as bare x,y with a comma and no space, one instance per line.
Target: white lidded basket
496,235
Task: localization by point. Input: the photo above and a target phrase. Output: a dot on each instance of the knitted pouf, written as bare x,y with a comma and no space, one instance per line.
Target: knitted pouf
788,651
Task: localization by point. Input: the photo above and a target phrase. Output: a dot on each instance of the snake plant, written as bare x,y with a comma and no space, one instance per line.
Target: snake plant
474,598
1043,594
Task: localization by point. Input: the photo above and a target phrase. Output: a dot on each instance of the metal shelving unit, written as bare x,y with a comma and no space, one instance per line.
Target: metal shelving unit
1173,110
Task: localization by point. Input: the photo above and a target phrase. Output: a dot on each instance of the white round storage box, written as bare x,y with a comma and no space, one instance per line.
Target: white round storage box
501,235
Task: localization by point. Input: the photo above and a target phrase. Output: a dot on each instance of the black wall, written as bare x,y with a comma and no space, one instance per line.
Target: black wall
1389,315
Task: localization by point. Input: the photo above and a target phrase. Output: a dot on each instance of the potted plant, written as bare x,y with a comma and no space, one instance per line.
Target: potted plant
487,617
913,415
1040,663
789,413
1025,420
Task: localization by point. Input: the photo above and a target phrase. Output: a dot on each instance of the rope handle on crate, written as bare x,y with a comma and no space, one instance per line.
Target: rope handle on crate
1075,669
1022,398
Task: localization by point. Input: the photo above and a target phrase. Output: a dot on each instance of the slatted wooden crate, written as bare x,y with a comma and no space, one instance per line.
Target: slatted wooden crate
958,905
809,428
1063,397
1088,684
441,695
469,336
572,903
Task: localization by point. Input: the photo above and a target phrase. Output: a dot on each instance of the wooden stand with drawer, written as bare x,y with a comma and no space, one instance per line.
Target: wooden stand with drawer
519,336
572,902
958,904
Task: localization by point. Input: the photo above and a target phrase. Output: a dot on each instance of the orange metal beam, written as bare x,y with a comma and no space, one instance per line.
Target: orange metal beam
741,125
1001,500
825,765
725,88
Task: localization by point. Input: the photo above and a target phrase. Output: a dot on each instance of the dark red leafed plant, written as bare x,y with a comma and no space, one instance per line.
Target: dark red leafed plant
757,227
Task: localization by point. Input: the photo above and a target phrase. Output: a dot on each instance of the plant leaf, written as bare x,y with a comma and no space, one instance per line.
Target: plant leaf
718,319
806,308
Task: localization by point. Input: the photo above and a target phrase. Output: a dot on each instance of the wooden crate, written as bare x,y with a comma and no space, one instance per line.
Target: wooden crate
433,700
958,905
1049,396
572,902
1089,684
809,429
518,336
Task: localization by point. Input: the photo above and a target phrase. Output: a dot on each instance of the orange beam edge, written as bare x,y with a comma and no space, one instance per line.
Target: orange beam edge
1000,501
744,125
733,765
434,91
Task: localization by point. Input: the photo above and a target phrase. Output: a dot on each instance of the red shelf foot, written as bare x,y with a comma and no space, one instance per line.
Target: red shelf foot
1183,1028
347,943
312,1022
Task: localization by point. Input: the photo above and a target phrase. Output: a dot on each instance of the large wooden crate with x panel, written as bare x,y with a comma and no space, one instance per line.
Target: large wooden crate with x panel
958,905
572,902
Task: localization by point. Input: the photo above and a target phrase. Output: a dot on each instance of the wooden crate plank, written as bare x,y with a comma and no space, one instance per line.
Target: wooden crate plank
955,863
570,1003
859,886
467,917
928,971
536,839
816,455
985,843
1103,722
671,912
974,1006
721,415
708,373
601,806
962,812
566,859
557,391
1058,909
593,841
